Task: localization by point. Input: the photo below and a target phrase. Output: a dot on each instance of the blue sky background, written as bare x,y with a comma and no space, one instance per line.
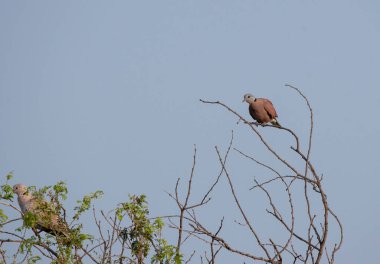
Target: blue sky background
105,95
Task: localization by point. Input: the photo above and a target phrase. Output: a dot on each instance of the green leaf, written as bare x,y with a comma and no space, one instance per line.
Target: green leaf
9,176
3,217
85,203
30,219
33,259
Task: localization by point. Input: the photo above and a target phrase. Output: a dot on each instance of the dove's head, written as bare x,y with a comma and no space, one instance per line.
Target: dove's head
20,189
249,98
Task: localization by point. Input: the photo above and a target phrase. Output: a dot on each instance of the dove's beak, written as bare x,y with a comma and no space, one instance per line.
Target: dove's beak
243,100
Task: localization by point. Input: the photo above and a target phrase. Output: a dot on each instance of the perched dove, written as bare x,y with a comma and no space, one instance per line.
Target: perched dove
47,219
262,110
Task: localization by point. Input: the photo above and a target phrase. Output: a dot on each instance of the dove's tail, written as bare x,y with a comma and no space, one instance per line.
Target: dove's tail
54,232
275,122
62,233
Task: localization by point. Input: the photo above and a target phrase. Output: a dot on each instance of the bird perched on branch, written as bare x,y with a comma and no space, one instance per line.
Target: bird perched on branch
262,110
46,217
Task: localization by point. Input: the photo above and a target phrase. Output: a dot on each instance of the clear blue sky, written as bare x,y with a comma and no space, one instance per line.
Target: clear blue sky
104,95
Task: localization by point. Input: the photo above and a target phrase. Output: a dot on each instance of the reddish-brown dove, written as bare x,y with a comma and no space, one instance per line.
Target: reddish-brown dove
262,110
47,219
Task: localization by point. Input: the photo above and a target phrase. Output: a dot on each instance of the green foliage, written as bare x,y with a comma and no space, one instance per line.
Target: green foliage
166,253
9,176
6,191
27,244
144,233
33,259
30,219
141,231
26,247
85,203
3,217
60,190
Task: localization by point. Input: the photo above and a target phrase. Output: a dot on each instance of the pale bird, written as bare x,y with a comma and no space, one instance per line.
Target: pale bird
47,219
262,110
